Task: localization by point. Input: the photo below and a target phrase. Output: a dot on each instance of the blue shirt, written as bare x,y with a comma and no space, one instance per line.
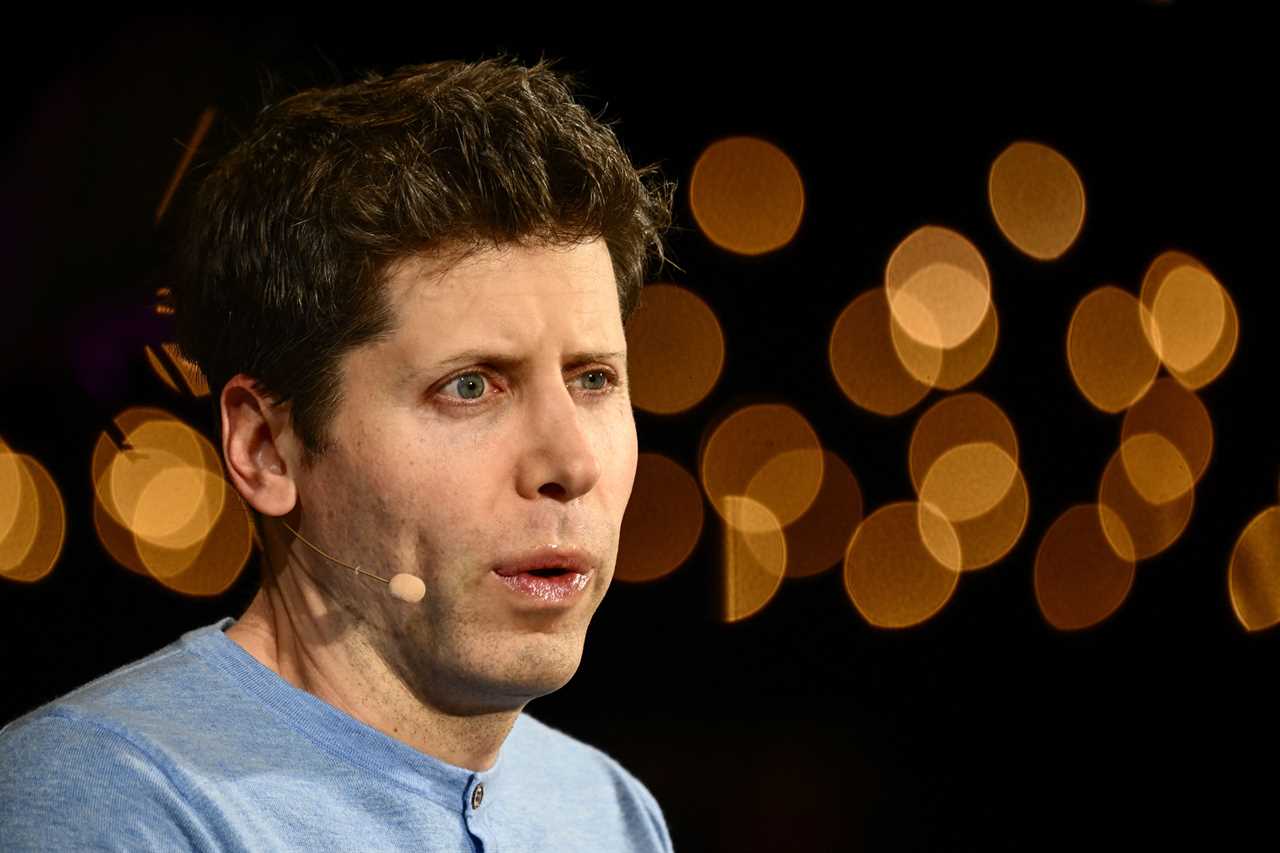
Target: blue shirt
201,747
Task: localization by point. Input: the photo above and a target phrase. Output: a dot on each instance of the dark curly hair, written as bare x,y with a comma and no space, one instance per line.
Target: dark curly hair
289,238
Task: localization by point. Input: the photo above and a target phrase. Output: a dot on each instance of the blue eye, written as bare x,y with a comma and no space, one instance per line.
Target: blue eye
470,386
595,380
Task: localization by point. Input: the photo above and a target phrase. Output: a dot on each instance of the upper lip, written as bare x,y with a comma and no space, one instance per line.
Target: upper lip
549,557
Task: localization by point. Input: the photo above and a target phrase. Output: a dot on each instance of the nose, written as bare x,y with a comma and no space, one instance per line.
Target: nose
559,460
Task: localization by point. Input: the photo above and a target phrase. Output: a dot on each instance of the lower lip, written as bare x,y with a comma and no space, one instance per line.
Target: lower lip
556,588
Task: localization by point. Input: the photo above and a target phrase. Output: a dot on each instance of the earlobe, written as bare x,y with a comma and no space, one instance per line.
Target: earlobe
256,442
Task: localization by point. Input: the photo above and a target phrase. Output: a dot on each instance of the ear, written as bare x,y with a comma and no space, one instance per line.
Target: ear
259,447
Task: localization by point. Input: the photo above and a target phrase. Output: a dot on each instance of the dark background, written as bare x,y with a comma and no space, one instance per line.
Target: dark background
803,727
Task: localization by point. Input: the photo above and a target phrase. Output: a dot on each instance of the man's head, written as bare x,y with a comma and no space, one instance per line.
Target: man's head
411,294
294,230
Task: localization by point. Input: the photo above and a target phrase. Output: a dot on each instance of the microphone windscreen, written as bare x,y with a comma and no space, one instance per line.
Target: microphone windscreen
408,588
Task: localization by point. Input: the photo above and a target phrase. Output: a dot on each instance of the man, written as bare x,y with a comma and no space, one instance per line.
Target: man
411,292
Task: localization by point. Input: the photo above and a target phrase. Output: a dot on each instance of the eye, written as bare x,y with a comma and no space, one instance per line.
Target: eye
595,380
469,386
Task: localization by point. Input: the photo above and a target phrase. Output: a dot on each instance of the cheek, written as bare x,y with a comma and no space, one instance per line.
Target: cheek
619,452
401,482
447,505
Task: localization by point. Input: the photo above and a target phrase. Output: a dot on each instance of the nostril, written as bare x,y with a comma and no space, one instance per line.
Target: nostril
552,490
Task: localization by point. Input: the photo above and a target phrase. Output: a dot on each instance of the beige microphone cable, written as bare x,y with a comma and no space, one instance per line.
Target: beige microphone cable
406,587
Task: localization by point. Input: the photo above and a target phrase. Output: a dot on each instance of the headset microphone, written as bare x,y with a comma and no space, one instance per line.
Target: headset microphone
408,588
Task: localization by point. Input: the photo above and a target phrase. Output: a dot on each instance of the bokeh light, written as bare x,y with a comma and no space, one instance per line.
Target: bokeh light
938,287
1080,578
192,375
979,490
816,541
210,566
663,521
987,538
24,526
170,365
1111,360
166,467
892,577
746,195
116,540
31,546
158,368
1137,528
1191,321
1189,312
1253,576
1217,360
959,419
968,481
952,368
12,489
1176,413
163,508
741,445
866,364
177,508
1155,468
1037,199
755,557
675,350
164,302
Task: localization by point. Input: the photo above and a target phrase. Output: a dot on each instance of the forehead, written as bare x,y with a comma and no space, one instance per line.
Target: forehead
513,296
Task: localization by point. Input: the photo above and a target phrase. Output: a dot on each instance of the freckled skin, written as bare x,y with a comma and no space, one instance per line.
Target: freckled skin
421,480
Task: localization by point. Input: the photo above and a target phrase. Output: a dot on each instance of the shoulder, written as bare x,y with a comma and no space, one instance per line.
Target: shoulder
164,694
55,759
562,762
69,780
91,768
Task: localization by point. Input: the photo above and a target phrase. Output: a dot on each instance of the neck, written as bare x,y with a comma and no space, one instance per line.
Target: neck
289,629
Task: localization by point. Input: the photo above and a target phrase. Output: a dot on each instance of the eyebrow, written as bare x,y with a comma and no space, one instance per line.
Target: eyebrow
503,360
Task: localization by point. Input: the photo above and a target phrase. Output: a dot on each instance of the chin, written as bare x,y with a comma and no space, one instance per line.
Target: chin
539,668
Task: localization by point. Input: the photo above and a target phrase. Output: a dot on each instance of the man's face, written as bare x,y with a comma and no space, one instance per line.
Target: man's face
491,431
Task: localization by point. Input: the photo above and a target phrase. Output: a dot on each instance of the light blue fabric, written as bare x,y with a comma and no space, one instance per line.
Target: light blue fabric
200,747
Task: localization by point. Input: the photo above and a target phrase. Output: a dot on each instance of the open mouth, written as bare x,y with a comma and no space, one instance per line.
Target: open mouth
548,573
546,576
550,585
